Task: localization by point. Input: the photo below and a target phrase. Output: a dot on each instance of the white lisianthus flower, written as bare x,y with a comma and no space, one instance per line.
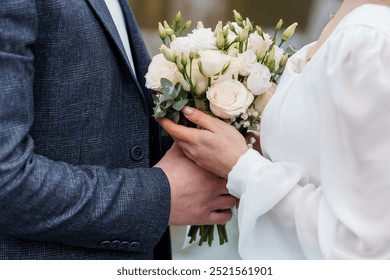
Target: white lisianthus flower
199,81
247,59
203,39
262,99
213,62
257,42
259,79
231,34
229,99
160,68
182,45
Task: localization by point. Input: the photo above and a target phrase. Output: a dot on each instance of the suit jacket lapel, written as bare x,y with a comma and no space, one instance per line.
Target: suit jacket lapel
103,14
140,53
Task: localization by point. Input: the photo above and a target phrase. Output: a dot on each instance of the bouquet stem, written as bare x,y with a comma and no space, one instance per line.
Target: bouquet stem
206,234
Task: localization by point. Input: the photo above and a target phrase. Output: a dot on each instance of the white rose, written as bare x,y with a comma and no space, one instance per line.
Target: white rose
203,39
259,79
213,62
262,99
229,99
199,81
182,45
257,42
160,68
247,59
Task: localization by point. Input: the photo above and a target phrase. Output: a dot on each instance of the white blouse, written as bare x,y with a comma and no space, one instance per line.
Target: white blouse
322,189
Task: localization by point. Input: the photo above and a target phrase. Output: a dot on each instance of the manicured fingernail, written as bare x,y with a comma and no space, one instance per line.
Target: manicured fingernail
188,111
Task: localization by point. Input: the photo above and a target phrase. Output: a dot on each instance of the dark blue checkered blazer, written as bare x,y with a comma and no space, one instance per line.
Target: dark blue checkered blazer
76,136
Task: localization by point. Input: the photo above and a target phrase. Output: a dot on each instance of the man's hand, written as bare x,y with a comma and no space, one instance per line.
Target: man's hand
198,197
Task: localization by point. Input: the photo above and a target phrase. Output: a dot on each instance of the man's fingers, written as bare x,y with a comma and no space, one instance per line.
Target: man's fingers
220,217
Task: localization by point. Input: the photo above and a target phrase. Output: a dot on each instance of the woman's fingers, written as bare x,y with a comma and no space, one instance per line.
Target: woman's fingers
177,131
202,119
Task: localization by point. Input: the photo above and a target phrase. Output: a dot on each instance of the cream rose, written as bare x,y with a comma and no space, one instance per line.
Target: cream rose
213,62
160,68
259,79
228,99
262,99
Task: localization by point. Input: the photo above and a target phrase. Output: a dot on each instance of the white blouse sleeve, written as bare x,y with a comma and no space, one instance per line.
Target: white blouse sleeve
348,215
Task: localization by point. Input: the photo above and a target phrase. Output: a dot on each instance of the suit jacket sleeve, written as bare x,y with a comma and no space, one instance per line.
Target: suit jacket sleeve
54,201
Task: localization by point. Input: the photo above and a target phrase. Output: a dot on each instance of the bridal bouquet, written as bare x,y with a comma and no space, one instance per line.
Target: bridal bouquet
229,72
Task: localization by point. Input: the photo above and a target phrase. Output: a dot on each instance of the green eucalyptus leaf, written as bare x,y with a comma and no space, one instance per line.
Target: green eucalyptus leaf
168,103
159,113
176,92
178,105
176,117
165,83
168,92
156,99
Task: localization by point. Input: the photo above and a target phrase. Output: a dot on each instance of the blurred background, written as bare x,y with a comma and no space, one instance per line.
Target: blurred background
311,15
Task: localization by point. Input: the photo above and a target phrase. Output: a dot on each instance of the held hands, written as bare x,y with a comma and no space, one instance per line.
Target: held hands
217,147
197,195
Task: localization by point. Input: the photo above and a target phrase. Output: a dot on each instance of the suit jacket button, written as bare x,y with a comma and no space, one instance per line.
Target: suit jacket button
105,244
134,245
124,245
137,153
115,244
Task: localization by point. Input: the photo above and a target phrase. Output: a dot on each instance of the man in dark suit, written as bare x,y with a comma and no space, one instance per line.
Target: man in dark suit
81,173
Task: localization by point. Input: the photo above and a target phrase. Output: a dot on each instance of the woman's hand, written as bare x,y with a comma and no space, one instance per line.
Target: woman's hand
217,147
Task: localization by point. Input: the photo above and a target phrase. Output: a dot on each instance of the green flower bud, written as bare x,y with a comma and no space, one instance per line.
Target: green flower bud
161,31
199,25
218,27
259,30
178,17
261,53
283,61
220,40
279,24
231,27
243,35
166,25
270,57
238,18
192,55
225,32
187,25
169,32
168,53
289,32
179,64
184,59
249,24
